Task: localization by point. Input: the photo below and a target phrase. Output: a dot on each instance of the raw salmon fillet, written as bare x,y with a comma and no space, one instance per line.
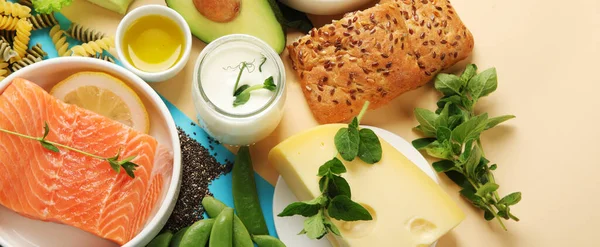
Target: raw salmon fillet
68,187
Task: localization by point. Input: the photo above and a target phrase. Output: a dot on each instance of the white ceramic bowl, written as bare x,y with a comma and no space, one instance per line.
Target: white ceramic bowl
326,7
154,10
19,231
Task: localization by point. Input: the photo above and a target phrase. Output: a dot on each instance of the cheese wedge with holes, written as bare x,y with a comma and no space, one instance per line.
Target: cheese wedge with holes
409,209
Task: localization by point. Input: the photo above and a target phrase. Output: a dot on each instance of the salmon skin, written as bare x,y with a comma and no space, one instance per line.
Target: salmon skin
68,187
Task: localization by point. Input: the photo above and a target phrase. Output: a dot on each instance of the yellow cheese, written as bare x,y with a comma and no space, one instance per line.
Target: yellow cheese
409,209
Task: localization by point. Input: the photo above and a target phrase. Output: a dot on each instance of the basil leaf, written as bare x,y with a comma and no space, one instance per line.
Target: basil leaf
443,118
334,166
473,161
476,200
483,83
49,146
487,215
314,226
469,72
454,121
346,141
469,129
448,84
459,179
342,208
492,122
511,199
241,89
426,120
487,189
332,228
338,186
353,124
439,150
443,133
443,165
454,99
241,99
422,142
369,148
306,209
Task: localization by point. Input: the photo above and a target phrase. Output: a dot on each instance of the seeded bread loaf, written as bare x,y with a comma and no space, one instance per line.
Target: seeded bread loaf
377,54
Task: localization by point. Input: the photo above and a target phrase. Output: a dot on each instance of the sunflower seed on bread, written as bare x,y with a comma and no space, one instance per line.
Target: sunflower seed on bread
377,54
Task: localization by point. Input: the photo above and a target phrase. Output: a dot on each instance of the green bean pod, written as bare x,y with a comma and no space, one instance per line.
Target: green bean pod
197,234
245,196
176,240
241,237
162,240
267,241
221,234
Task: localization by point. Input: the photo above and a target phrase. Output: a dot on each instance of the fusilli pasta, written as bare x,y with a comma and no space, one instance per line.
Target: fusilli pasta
8,23
14,9
27,3
84,34
91,48
104,57
8,35
60,40
27,60
4,72
40,21
6,52
23,36
37,51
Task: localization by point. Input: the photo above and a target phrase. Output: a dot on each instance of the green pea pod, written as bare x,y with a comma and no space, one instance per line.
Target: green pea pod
197,234
162,240
267,241
221,234
245,196
241,237
176,240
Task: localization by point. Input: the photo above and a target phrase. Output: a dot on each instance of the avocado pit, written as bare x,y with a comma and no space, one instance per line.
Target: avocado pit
218,10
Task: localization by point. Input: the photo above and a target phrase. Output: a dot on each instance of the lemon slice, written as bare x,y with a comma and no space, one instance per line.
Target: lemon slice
105,95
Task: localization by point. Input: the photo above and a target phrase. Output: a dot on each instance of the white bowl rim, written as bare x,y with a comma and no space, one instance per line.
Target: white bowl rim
166,206
167,12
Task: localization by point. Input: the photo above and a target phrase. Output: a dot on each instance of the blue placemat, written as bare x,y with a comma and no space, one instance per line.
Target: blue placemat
221,187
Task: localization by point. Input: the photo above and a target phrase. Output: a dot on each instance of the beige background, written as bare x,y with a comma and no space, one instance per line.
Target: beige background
547,53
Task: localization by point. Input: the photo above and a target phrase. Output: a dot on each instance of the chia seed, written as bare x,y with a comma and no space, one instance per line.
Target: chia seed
199,169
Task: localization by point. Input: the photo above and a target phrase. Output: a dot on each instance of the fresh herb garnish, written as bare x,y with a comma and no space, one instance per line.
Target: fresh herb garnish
114,162
243,65
334,200
452,134
263,60
243,96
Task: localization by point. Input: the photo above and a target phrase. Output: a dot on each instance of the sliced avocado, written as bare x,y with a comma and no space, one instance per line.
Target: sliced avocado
223,17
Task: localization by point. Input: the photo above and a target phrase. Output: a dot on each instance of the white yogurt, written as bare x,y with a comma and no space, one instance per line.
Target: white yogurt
221,68
215,75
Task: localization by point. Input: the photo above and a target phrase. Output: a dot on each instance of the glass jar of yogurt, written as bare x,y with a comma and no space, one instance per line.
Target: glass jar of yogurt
225,68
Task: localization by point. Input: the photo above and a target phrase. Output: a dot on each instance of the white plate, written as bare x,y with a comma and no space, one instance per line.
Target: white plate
288,227
19,231
326,7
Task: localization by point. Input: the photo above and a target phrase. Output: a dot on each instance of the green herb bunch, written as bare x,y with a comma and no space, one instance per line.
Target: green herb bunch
114,161
335,199
242,93
452,134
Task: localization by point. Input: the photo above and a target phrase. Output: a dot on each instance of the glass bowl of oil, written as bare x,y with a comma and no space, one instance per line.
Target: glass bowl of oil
154,42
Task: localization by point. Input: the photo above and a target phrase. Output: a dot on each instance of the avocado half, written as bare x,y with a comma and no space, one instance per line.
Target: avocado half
253,17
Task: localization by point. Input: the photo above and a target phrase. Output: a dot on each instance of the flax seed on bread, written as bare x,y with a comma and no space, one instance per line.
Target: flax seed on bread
377,54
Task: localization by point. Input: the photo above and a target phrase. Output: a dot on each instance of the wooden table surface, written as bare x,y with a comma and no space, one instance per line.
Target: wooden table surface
546,53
